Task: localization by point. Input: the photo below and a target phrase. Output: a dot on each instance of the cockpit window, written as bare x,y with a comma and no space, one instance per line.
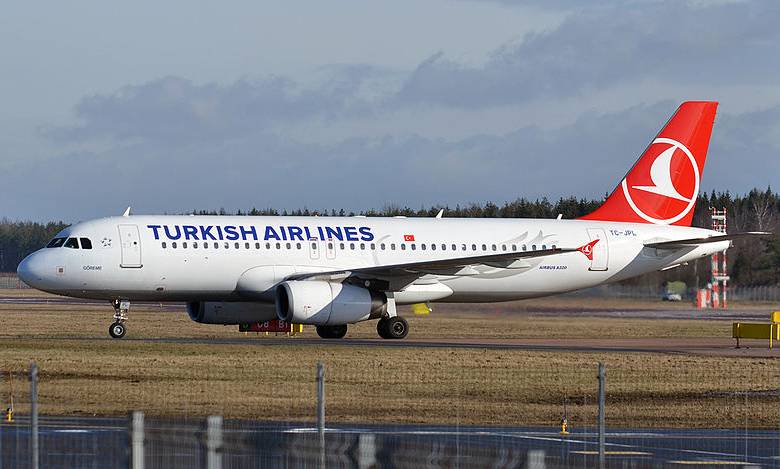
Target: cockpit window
56,243
72,243
85,243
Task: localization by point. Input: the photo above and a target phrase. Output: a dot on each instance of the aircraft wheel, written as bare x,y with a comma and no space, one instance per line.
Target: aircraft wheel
381,328
117,330
332,332
397,328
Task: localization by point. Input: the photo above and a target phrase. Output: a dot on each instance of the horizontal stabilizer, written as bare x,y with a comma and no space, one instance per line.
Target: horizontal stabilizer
686,243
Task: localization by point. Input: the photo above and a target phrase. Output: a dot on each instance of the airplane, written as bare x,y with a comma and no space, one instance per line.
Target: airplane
334,271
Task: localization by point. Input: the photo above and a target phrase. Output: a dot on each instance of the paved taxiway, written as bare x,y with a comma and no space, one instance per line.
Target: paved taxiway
102,442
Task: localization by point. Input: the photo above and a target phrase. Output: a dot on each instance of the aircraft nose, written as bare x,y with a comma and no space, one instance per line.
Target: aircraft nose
30,270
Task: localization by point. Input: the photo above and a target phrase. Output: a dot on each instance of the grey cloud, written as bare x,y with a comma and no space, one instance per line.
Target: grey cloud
586,158
174,109
672,42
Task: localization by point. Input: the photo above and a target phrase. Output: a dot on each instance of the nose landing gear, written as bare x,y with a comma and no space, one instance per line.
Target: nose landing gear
118,329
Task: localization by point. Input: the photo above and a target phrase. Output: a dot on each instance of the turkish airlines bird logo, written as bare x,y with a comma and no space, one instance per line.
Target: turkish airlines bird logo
588,249
671,182
661,175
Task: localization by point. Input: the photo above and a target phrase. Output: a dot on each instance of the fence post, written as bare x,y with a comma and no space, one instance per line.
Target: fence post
366,451
321,410
214,442
535,459
602,401
34,415
137,437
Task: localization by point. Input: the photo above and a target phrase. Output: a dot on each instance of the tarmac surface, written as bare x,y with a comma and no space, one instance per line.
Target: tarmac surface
104,442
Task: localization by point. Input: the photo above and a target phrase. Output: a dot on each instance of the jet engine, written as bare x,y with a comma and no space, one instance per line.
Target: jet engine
219,312
327,303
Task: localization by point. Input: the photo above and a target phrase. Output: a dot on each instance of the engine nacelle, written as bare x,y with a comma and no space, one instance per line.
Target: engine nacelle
327,303
219,312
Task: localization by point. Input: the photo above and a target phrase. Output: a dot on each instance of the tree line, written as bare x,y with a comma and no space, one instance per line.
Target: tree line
751,262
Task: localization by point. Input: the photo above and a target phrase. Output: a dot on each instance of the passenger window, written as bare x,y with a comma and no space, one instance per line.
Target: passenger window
56,242
195,245
414,247
514,247
237,245
392,246
533,247
164,245
433,247
330,245
422,246
341,246
403,246
553,246
314,246
184,245
288,245
257,245
216,245
373,246
382,246
297,245
484,247
72,243
352,246
462,246
268,245
524,248
544,246
503,247
246,245
362,246
227,245
173,245
205,245
85,243
493,247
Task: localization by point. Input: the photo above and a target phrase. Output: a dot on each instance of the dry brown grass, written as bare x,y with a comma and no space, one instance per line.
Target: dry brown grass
84,372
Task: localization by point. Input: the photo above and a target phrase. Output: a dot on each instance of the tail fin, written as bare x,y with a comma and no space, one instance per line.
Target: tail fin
662,186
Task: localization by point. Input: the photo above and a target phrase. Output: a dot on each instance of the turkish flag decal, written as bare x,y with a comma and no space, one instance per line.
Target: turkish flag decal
408,237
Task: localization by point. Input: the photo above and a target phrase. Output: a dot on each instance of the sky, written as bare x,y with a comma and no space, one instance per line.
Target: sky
176,106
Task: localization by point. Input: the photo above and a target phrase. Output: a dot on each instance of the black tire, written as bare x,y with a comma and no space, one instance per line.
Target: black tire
332,332
117,330
381,328
396,328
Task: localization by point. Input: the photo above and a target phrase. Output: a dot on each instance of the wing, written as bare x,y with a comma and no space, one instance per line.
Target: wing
692,242
394,277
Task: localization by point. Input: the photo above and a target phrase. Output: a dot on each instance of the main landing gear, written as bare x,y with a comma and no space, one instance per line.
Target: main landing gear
332,332
118,329
395,327
392,326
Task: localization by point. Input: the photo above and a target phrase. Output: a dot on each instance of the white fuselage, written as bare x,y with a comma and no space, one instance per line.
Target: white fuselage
179,258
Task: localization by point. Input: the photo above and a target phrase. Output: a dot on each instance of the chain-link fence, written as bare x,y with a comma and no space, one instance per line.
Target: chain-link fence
11,282
674,410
